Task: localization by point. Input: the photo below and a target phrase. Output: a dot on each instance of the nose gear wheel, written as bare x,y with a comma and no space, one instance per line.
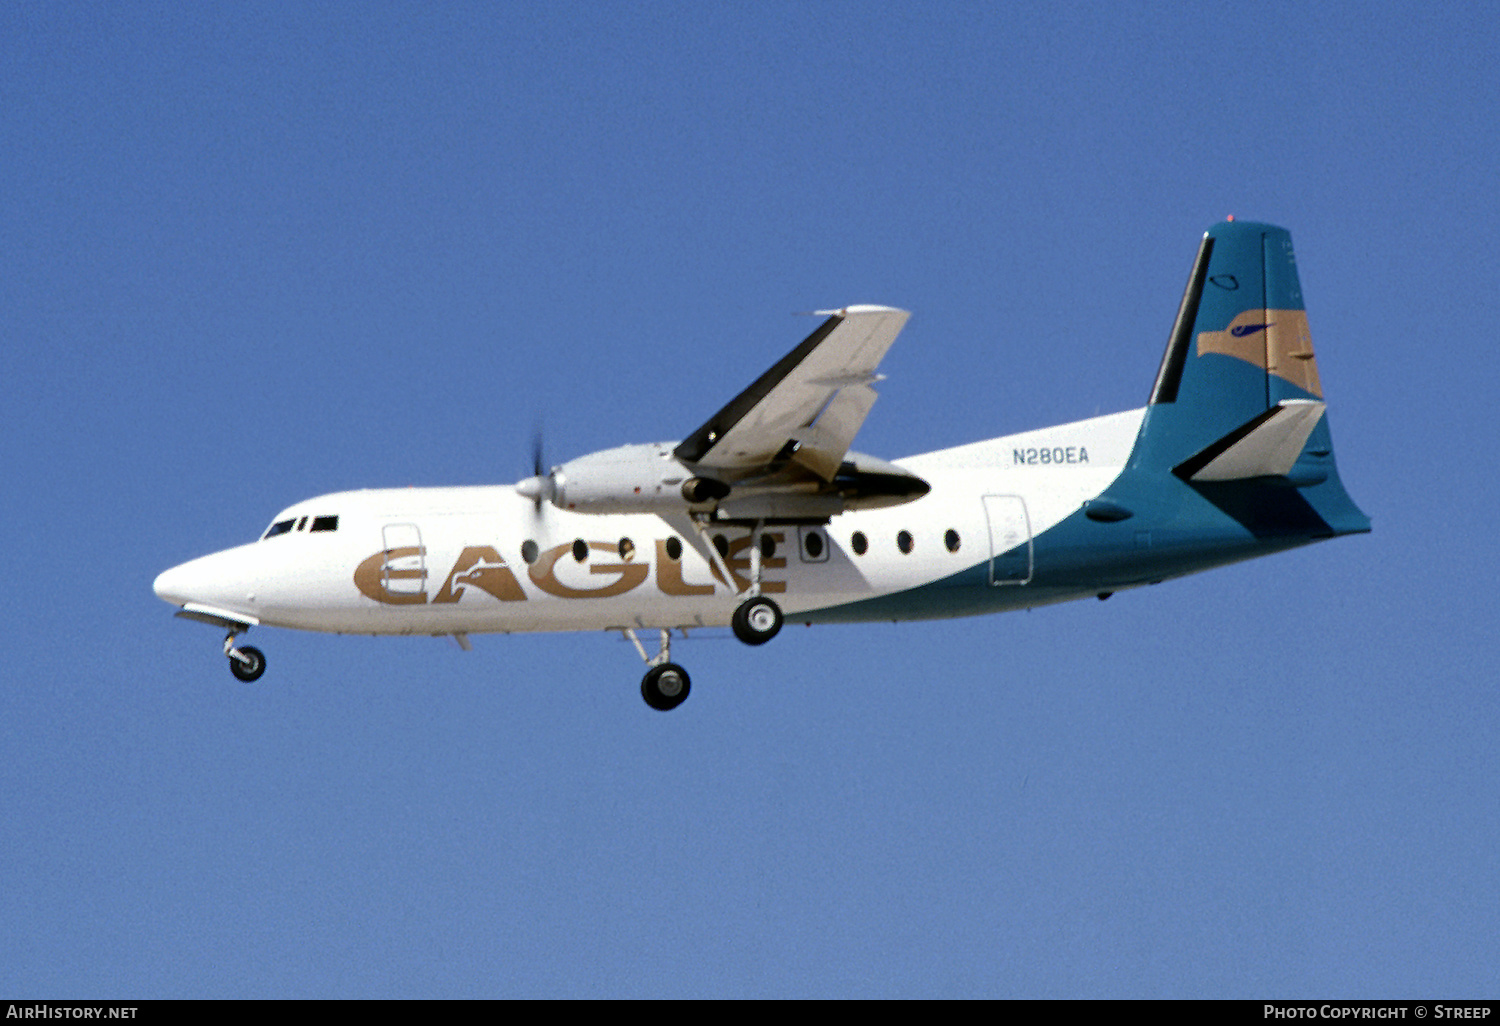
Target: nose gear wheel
247,663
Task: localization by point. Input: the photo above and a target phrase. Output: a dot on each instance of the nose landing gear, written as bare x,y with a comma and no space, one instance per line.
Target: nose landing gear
247,663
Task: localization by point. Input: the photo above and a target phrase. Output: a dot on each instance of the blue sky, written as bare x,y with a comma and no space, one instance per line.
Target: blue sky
253,253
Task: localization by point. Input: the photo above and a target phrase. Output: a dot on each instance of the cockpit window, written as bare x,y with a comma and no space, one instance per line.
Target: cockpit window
328,523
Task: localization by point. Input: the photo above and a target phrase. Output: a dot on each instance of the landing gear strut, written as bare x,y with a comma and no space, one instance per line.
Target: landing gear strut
247,663
666,685
757,619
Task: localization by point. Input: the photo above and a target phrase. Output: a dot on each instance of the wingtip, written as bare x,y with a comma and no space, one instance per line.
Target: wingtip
860,308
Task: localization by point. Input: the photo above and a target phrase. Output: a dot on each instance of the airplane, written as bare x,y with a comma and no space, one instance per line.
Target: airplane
764,514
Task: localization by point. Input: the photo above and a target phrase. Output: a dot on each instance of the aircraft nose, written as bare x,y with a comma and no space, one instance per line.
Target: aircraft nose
226,579
172,585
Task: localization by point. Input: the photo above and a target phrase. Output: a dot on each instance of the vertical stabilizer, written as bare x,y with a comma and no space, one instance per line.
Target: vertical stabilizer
1237,406
1239,347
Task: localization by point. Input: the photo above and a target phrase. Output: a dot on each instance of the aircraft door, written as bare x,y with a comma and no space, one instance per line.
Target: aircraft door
405,569
1010,539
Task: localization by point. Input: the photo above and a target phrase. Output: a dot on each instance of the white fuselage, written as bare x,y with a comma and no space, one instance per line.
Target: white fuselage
486,559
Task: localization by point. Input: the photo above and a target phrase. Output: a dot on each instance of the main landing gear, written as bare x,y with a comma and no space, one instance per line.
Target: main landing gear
757,618
756,621
247,663
666,685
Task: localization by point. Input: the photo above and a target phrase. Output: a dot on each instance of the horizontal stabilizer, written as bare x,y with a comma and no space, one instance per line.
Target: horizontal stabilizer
1265,446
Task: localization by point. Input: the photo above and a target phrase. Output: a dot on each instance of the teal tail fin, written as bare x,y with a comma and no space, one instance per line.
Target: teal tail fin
1238,406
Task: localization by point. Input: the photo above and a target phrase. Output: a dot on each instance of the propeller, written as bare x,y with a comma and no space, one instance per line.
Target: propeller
539,487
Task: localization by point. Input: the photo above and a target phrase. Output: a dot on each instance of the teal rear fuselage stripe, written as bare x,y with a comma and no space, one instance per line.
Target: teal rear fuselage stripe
1081,557
1175,528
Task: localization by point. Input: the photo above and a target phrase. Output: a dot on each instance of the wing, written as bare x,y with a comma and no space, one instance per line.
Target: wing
809,406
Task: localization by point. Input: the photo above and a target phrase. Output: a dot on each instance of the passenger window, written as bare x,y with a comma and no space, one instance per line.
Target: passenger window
627,549
904,542
951,540
859,543
814,544
324,524
528,552
580,550
674,549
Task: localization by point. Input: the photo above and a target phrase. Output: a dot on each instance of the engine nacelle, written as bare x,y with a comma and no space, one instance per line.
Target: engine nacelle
651,479
631,479
704,489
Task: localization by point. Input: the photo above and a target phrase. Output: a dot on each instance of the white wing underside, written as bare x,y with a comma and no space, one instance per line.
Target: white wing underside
809,406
